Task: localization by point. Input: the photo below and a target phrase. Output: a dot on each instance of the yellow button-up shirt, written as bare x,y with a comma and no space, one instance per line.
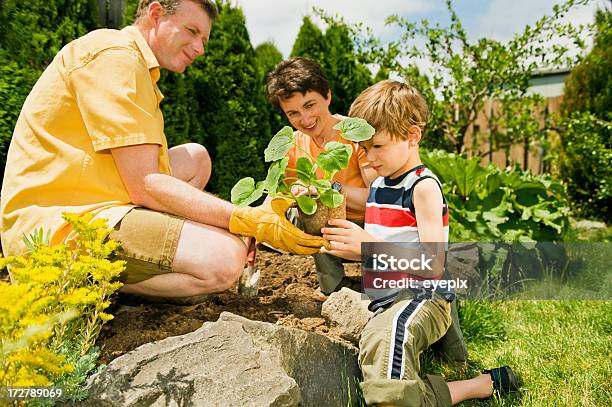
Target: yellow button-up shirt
100,92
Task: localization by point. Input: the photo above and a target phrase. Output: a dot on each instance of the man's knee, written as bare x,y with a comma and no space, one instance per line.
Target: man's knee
191,163
200,156
226,274
218,280
217,266
198,152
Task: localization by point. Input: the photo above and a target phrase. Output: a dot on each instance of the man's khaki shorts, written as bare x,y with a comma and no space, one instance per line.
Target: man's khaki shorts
148,243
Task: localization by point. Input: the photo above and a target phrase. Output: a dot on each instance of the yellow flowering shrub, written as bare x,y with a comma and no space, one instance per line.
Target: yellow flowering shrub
58,299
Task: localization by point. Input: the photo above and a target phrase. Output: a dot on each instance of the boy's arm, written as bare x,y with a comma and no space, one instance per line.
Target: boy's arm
356,196
428,205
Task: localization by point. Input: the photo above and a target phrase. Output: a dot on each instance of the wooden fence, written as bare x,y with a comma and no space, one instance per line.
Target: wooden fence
527,156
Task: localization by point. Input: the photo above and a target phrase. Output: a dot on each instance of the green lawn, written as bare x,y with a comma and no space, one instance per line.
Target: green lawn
560,349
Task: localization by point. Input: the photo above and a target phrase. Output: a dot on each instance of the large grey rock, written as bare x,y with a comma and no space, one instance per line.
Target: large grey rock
347,313
231,362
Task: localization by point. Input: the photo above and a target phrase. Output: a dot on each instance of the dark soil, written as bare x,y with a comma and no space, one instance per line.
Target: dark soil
287,296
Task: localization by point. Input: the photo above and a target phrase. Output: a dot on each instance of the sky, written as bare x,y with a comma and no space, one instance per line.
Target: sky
279,20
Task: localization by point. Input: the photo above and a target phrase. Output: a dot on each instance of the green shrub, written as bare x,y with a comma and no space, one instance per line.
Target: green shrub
584,164
15,84
31,33
52,314
489,204
588,88
586,126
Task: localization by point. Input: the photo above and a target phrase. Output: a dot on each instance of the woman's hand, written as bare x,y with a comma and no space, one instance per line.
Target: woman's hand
345,239
299,190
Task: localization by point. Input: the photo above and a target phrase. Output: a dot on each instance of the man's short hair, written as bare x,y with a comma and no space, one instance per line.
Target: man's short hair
392,106
295,75
170,6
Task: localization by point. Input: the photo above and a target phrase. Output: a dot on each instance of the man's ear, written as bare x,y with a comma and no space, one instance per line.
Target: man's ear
155,12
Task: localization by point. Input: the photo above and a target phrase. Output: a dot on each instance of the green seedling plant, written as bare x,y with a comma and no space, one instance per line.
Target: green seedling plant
334,158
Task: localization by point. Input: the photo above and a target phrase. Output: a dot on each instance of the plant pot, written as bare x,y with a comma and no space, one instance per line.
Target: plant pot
312,224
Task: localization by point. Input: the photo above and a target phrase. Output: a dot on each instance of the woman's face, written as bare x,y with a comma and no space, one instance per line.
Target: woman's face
308,112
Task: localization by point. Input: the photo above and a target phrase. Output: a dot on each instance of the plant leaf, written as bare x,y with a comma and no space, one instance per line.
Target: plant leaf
245,192
280,144
355,129
335,157
321,184
275,172
466,174
331,198
306,204
303,168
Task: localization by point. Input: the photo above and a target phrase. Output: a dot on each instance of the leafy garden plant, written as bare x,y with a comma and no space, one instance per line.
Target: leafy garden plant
52,314
490,204
334,158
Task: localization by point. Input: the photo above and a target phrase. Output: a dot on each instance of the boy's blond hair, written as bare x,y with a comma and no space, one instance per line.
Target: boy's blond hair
392,106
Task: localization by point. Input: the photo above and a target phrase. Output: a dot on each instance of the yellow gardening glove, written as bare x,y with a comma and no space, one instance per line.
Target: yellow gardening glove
267,223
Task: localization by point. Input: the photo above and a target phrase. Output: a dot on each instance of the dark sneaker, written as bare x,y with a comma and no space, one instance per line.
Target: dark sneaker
504,379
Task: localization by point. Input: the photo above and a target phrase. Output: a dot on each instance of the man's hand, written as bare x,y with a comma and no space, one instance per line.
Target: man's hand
345,239
267,223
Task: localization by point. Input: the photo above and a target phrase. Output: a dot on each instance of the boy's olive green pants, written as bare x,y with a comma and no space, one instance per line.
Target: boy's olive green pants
389,351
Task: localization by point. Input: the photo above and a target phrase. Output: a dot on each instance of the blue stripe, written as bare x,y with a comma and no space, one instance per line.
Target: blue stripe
400,333
388,196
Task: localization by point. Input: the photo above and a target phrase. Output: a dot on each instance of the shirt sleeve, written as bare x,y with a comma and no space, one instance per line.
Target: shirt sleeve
291,164
117,99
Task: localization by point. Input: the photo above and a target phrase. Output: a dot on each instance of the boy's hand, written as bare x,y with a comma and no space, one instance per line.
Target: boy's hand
345,239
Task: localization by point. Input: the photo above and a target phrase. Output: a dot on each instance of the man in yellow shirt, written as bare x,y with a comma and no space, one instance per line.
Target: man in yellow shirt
90,139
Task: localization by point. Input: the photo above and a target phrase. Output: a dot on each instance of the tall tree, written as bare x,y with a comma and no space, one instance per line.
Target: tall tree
463,73
588,88
335,52
31,33
267,56
309,42
129,13
586,127
232,109
182,121
347,75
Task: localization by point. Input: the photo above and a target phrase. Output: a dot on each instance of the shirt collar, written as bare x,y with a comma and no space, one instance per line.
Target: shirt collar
143,46
394,181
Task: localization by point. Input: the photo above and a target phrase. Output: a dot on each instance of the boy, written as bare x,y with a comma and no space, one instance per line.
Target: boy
300,89
405,204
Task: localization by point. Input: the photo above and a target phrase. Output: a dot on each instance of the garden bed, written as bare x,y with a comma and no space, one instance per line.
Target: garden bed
287,295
